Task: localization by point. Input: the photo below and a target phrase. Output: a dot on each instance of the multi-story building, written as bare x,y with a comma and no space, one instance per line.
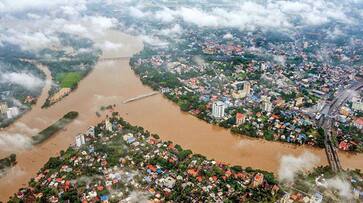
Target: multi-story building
80,140
266,104
3,108
108,125
240,118
218,109
358,106
247,87
12,112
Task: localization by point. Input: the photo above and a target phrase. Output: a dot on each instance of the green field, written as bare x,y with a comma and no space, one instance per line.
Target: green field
69,80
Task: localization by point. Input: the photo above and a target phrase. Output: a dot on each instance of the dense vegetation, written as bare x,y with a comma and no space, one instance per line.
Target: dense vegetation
55,127
7,162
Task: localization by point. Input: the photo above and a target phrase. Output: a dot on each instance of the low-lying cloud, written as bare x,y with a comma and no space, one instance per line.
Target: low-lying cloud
14,142
23,79
249,15
291,165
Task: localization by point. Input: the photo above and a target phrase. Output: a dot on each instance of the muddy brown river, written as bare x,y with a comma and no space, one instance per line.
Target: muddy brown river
112,82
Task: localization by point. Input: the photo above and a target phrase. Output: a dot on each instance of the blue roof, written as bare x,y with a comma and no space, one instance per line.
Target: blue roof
131,140
104,197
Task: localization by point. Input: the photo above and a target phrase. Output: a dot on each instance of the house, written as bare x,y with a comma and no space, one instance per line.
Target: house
344,145
358,123
257,180
240,118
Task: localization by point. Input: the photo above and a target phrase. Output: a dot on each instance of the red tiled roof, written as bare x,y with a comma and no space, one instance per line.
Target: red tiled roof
193,172
359,121
100,188
228,173
239,116
151,167
343,145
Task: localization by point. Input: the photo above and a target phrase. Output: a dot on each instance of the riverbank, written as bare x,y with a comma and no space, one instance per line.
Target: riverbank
143,155
112,82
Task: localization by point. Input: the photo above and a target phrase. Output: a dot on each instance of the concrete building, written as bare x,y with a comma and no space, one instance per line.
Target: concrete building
12,112
358,123
108,125
3,108
358,106
247,87
240,118
299,101
266,104
80,140
218,109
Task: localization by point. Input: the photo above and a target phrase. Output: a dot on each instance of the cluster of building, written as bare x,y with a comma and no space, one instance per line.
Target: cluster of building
285,82
114,160
322,188
8,112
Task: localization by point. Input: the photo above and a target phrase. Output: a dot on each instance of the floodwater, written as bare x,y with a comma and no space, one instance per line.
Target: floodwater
112,82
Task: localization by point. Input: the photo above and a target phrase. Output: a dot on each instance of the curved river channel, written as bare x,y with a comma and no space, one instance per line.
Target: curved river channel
112,82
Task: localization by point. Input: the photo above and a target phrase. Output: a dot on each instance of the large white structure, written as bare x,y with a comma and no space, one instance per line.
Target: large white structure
3,108
247,87
218,109
80,140
266,104
108,125
12,112
358,106
241,89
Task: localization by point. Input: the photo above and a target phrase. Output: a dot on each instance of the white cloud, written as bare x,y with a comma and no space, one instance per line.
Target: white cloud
14,142
26,80
109,46
176,29
343,187
153,40
248,15
101,22
23,128
137,197
290,165
29,40
75,29
199,17
136,12
23,5
228,36
165,15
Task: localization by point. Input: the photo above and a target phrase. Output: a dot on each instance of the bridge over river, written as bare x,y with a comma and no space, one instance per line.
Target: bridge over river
327,120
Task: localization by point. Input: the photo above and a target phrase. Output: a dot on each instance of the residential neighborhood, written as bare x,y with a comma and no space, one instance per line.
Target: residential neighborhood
117,162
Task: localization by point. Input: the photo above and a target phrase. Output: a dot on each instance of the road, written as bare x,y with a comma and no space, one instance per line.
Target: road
327,120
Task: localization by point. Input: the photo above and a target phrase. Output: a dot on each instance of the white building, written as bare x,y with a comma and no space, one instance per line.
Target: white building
12,112
358,106
218,109
108,125
247,87
3,108
91,131
267,106
80,140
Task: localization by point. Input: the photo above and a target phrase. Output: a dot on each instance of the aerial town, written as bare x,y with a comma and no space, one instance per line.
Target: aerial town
181,101
117,162
279,95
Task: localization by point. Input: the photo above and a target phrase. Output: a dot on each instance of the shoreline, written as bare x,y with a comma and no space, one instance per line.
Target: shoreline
112,82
